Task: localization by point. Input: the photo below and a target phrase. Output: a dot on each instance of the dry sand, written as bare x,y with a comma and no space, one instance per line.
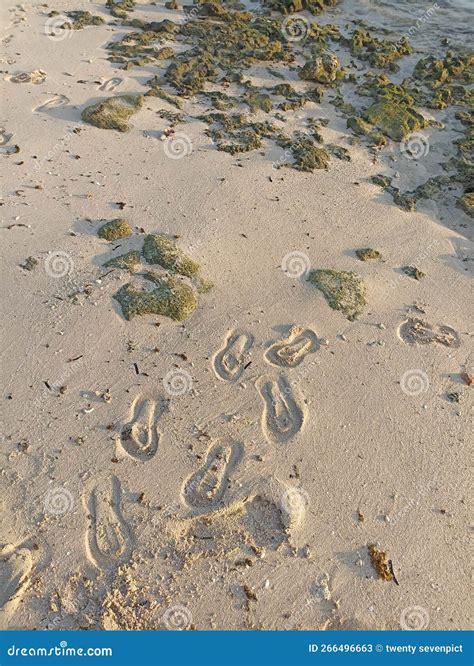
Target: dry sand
241,490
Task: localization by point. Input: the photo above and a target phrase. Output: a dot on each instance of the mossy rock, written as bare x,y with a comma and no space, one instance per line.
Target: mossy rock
413,272
113,113
307,155
344,291
367,254
466,203
362,128
80,19
115,229
126,262
396,121
324,69
164,252
379,52
170,298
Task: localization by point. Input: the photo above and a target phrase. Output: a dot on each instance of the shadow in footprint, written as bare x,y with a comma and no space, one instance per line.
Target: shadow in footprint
15,568
111,84
205,488
283,417
418,332
53,103
139,438
108,537
292,351
229,363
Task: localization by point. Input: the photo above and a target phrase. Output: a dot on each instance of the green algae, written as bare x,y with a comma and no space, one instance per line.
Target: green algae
119,8
77,20
344,291
127,262
413,272
156,90
396,121
324,69
306,154
378,52
339,152
362,128
113,113
466,203
367,253
173,117
258,102
292,6
235,133
164,252
170,298
115,229
381,180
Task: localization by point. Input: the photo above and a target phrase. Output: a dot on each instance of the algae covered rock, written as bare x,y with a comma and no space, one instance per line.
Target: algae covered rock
81,19
367,253
324,69
466,203
397,121
126,262
113,113
115,229
344,291
164,252
413,272
170,297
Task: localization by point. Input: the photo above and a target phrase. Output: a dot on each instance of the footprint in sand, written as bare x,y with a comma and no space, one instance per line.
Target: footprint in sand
292,351
230,362
57,100
108,538
4,140
36,77
111,84
205,488
15,568
283,417
139,438
418,332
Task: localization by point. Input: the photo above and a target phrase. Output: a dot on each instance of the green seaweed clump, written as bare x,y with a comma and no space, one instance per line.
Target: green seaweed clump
164,252
119,8
113,113
306,154
361,128
466,203
127,262
396,121
170,298
80,19
413,272
446,77
379,53
258,102
344,291
115,229
367,253
234,133
292,6
324,69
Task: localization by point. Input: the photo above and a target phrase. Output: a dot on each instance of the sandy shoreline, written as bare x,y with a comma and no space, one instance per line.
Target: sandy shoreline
369,447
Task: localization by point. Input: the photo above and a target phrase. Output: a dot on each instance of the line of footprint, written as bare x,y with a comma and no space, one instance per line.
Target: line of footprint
283,414
109,539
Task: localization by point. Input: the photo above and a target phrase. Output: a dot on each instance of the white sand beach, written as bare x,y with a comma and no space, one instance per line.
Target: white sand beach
229,468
